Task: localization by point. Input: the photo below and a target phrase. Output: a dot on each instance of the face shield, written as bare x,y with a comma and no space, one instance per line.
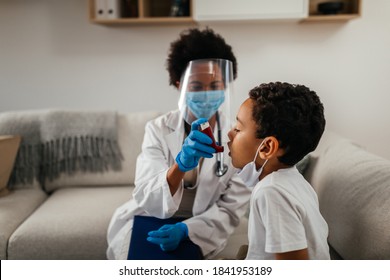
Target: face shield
205,89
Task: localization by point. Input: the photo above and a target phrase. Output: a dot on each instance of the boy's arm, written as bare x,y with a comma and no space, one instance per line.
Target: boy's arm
293,255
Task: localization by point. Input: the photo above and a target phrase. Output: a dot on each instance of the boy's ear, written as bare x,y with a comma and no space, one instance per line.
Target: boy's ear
270,148
177,84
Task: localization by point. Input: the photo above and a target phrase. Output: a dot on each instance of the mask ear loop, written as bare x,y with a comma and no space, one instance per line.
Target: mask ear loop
258,149
257,152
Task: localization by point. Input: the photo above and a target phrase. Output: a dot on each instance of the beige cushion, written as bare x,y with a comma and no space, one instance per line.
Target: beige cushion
14,209
131,129
353,188
9,145
71,224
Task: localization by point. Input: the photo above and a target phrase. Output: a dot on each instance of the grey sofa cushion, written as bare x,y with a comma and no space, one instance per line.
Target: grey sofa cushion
353,188
71,224
130,135
14,209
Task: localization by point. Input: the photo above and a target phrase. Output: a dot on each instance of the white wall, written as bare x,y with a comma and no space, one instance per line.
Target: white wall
52,57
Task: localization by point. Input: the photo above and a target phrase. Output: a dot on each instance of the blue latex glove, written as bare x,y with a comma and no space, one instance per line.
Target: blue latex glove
168,236
195,146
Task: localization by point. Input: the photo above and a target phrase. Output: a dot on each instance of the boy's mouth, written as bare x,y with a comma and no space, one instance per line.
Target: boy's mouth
228,144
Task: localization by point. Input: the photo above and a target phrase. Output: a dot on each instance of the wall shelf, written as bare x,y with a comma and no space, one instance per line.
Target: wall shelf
143,20
352,10
155,12
142,12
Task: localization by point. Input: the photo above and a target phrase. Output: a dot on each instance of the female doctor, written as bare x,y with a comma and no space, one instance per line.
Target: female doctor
178,173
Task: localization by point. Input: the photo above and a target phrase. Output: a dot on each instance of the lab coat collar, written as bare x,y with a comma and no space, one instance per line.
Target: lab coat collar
174,120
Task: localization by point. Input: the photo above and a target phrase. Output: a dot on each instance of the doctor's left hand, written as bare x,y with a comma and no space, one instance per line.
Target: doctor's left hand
168,236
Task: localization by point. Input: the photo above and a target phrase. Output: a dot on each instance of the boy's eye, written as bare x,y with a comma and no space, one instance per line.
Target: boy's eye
236,130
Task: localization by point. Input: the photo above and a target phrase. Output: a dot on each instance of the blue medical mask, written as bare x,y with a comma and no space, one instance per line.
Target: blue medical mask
204,104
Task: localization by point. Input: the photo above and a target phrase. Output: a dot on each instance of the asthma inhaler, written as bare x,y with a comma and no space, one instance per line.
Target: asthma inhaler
206,129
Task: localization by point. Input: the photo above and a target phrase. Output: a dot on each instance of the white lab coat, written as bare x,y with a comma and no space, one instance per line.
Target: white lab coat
219,204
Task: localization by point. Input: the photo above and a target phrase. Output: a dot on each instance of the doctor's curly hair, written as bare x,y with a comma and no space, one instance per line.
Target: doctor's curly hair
293,114
196,44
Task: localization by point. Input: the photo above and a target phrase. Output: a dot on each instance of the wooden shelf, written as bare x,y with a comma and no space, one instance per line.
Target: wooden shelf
352,10
153,20
158,12
330,18
147,12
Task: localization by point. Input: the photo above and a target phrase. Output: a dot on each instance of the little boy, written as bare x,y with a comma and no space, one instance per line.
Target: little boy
276,127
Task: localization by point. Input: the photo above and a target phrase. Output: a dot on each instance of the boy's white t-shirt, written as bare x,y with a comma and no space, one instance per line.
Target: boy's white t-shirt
284,216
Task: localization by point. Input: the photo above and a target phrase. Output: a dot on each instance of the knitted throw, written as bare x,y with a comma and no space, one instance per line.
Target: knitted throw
62,141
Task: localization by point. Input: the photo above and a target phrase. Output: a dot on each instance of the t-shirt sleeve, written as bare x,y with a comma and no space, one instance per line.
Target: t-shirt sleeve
282,216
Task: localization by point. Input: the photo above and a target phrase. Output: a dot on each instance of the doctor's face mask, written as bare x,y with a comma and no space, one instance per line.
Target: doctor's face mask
205,89
204,104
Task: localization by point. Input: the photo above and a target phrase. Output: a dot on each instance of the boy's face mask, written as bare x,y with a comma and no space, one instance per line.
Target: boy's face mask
204,104
249,173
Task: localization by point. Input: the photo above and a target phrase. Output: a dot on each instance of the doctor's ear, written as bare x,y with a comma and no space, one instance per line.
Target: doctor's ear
177,84
270,148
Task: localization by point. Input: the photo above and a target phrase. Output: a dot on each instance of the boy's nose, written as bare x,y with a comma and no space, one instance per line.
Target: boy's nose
230,135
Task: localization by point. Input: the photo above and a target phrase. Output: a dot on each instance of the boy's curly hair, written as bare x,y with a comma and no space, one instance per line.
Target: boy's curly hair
293,114
196,44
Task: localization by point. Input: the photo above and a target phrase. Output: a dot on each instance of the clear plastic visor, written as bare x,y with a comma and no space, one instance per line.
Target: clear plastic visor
205,90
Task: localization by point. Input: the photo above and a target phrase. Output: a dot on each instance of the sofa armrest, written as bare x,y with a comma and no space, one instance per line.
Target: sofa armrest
353,188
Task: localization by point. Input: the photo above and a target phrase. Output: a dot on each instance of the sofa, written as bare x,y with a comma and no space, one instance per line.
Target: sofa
67,218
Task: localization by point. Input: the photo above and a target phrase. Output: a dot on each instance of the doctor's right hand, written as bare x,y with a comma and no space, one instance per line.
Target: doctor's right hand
195,146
